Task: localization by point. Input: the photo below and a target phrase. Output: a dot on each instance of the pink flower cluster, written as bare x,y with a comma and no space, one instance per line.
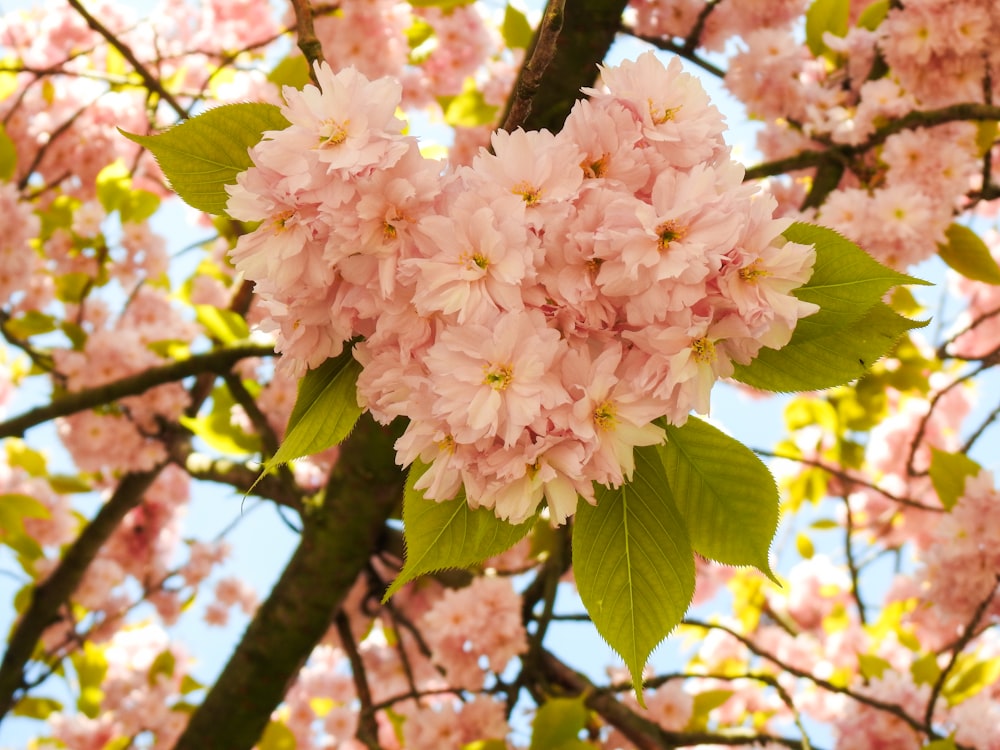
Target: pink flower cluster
478,623
533,313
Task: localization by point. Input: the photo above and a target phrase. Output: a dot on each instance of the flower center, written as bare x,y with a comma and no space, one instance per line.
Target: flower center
596,168
280,222
667,232
498,377
703,350
604,416
470,259
333,133
751,273
528,192
661,115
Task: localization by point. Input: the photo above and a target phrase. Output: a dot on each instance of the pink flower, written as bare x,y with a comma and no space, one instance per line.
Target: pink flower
670,106
348,122
495,380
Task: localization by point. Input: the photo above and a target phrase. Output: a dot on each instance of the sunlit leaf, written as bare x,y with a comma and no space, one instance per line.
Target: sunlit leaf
202,155
163,666
846,282
91,666
825,361
469,110
633,563
36,708
925,670
8,155
558,720
325,411
966,253
224,325
517,32
873,15
970,676
948,474
449,534
824,16
704,703
724,492
293,71
276,736
218,429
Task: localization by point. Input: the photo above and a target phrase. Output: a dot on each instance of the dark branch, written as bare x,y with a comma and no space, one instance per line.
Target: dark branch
218,361
340,534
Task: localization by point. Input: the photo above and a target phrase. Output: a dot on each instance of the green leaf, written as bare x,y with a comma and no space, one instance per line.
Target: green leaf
449,534
8,155
703,704
925,670
138,206
846,281
73,286
291,71
276,736
823,16
947,743
558,720
14,508
986,136
633,563
948,474
873,15
469,110
225,326
218,430
725,494
516,30
113,184
970,677
21,455
325,411
966,252
485,745
37,708
872,667
832,359
31,323
202,155
804,546
163,665
68,484
91,666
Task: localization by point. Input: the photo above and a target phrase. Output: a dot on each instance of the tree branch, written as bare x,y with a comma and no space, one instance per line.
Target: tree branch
51,594
543,49
218,361
151,82
910,121
341,532
640,731
587,30
308,41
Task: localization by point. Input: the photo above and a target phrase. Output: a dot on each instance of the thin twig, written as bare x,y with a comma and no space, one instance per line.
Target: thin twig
849,479
215,362
367,733
851,565
957,648
308,41
152,82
